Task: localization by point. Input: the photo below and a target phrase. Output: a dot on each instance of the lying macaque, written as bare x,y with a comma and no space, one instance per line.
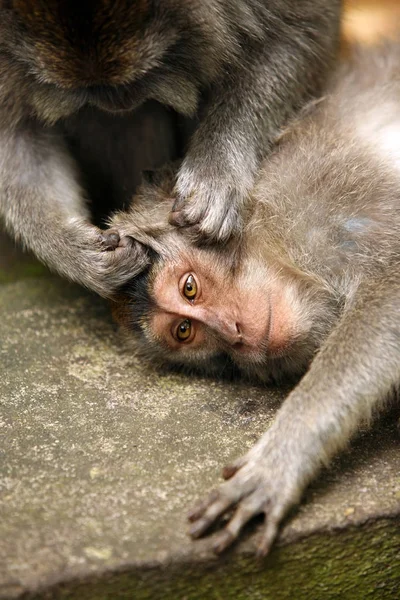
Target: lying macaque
312,284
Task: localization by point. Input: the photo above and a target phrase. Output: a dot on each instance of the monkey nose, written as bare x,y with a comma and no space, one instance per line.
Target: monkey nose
226,326
238,342
233,333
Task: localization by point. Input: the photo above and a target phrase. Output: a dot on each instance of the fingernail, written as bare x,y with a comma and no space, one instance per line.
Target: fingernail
223,541
198,528
193,515
228,471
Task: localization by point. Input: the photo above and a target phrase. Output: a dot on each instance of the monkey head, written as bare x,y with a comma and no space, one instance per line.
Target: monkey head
113,55
240,306
76,44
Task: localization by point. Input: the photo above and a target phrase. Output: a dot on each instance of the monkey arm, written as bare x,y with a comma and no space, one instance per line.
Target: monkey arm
351,376
246,109
42,205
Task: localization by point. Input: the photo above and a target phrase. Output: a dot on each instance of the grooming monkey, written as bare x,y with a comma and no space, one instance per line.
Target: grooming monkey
312,285
241,67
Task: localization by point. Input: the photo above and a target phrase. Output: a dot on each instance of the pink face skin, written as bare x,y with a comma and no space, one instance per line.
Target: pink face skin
246,316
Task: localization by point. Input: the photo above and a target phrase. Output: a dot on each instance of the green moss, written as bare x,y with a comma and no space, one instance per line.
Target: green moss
23,271
356,564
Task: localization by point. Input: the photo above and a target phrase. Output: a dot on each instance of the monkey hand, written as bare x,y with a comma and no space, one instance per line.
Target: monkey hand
257,483
102,261
208,207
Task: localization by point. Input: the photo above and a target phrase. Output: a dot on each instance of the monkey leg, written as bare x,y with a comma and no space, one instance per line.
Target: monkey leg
348,380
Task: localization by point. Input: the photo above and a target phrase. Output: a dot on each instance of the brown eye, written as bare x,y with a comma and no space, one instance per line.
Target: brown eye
184,329
190,288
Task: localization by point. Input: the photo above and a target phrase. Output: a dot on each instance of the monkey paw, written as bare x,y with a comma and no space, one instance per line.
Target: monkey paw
103,261
207,214
254,487
120,259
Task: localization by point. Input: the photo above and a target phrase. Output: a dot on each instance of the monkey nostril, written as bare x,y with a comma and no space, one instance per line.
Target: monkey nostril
238,330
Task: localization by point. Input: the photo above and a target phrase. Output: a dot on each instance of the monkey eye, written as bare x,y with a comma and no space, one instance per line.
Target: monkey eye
190,288
184,330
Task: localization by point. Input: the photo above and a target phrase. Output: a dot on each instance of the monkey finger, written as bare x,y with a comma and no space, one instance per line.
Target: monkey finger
224,539
178,215
221,221
209,517
177,218
206,222
202,506
109,239
268,536
178,204
126,242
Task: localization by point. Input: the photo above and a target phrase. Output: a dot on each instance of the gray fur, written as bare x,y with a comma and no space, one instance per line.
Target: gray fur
240,67
326,210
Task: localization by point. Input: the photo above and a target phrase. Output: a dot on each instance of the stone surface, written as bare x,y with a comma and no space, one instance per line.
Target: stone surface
102,456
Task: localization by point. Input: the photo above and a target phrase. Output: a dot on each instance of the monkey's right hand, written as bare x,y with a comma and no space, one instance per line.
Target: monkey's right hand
208,205
102,261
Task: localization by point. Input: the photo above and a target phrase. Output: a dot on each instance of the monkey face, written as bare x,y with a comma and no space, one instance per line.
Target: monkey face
198,308
245,302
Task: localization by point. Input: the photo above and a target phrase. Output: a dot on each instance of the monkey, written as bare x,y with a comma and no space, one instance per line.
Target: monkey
234,69
309,290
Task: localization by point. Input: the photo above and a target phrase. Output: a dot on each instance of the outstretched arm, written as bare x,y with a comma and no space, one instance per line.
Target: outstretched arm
350,377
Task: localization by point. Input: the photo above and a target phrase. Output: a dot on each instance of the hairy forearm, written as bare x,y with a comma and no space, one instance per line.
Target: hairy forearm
43,206
348,381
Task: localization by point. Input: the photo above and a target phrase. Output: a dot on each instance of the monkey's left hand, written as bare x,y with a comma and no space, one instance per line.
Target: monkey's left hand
256,483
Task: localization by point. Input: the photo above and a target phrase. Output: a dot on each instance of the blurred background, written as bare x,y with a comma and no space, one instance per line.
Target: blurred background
368,21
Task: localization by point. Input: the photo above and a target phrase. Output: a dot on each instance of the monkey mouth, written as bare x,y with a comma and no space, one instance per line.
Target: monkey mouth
263,345
244,354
